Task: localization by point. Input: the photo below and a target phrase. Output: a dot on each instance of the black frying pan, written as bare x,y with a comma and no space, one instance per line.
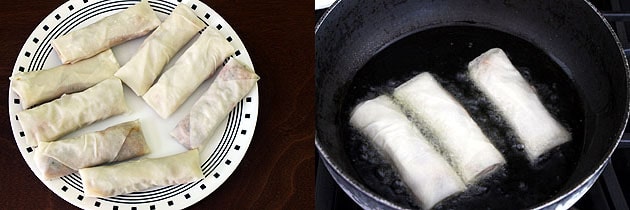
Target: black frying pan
565,47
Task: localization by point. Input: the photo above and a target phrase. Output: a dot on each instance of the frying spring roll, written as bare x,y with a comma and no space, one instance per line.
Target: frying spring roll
54,119
427,174
117,143
196,65
40,86
110,31
147,64
469,150
137,175
232,84
518,103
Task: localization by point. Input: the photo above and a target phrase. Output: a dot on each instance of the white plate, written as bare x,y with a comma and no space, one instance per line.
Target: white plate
323,4
219,158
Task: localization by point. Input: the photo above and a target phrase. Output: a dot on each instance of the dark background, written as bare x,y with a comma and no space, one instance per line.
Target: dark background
278,170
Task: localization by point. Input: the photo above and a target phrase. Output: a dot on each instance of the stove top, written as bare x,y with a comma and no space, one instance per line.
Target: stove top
610,192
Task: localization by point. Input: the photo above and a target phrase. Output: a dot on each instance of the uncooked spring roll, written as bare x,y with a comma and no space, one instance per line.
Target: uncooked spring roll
54,119
110,31
423,169
117,143
137,175
230,86
517,103
41,86
196,65
147,64
469,150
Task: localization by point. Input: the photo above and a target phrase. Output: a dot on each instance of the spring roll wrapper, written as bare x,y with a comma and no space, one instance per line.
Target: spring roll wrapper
117,143
142,174
233,82
468,149
156,51
196,64
423,169
49,121
37,87
110,31
517,102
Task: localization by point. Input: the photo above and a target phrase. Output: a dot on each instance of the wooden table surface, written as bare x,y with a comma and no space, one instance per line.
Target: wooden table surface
278,170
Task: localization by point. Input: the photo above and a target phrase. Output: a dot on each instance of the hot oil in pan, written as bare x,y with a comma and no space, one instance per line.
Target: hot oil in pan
445,52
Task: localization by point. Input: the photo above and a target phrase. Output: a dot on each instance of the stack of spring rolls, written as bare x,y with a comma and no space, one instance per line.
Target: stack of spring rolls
88,88
438,149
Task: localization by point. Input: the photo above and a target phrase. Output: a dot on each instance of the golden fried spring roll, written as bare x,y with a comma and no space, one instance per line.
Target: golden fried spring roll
423,169
517,103
146,65
142,174
41,86
230,86
110,31
116,143
196,65
469,150
54,119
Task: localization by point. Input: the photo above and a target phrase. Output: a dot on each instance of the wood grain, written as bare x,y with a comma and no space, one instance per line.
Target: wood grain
278,170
